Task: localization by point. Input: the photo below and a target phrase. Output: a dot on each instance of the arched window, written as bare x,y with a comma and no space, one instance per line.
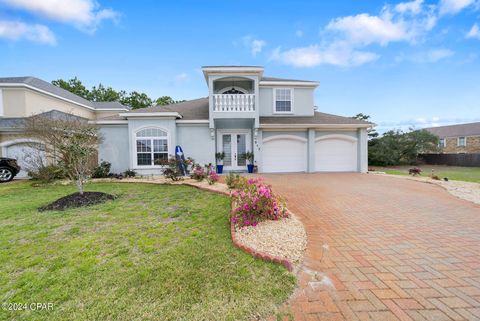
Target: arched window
152,146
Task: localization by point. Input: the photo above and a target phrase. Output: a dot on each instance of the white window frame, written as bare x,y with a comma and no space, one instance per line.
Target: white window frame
151,138
275,100
442,142
464,141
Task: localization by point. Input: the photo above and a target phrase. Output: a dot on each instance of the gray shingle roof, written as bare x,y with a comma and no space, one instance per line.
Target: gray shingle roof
318,119
18,122
470,129
196,109
108,105
52,89
284,79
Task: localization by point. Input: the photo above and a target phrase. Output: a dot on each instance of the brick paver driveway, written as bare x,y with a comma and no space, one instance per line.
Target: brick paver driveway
382,248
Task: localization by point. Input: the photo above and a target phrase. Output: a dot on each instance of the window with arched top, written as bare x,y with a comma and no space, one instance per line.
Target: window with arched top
152,146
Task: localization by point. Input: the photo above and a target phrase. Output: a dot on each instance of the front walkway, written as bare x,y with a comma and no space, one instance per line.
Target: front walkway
381,248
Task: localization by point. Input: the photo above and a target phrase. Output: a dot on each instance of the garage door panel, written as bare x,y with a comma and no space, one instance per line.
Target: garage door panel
28,155
284,155
336,155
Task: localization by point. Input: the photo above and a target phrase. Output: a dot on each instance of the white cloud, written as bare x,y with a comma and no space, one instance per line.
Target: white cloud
412,7
338,54
365,29
350,36
84,14
429,56
453,6
16,30
438,54
182,78
474,32
255,46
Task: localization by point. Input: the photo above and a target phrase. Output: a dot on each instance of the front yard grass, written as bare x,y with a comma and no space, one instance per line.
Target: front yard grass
467,174
157,252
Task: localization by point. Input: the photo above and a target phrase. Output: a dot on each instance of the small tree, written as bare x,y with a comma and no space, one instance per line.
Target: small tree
69,141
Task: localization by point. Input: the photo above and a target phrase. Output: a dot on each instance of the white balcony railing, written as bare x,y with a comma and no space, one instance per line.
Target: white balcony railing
234,102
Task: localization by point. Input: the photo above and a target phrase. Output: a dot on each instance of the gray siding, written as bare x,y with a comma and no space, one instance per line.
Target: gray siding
303,101
114,148
196,142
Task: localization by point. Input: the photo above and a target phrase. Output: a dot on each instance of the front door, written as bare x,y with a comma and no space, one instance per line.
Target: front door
234,144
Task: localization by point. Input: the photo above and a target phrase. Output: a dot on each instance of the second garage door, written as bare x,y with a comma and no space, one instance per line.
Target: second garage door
284,153
336,153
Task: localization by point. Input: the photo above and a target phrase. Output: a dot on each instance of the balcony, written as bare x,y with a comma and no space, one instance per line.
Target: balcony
234,103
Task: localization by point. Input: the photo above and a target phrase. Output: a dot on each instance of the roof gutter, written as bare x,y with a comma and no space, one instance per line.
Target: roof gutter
289,83
151,114
327,126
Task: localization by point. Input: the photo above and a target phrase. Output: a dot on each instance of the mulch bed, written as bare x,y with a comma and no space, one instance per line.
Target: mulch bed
77,200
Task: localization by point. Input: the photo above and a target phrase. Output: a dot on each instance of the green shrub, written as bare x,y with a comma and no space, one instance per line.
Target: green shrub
171,168
102,170
130,173
47,174
235,181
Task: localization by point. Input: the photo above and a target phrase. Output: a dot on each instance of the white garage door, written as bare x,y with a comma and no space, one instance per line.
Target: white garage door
284,154
336,153
26,155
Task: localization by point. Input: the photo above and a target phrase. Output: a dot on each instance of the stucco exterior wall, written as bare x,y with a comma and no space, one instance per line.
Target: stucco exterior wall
196,142
13,102
115,148
303,101
36,103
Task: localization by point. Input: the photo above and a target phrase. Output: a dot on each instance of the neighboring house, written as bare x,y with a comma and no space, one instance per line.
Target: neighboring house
22,97
244,111
461,138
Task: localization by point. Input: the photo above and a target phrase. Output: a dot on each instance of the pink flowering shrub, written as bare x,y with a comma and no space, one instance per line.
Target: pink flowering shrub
256,203
198,173
212,178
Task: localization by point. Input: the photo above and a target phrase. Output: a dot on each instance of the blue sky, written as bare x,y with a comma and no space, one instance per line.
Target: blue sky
411,63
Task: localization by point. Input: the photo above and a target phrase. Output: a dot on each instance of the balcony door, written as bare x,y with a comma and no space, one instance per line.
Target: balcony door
234,143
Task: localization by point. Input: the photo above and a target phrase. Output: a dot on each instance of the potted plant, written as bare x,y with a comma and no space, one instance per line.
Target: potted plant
249,157
219,157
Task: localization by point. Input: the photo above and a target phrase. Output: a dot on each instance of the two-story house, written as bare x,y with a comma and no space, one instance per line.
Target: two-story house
273,118
460,138
22,97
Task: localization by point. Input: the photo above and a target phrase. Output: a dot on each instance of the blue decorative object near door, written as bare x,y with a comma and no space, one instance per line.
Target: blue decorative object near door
180,156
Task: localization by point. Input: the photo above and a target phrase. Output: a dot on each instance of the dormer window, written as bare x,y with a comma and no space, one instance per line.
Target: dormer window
283,100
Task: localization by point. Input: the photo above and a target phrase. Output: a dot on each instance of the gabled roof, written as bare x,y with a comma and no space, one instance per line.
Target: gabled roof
196,109
44,86
470,129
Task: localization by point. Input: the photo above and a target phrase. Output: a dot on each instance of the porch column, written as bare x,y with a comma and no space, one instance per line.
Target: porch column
311,151
257,149
362,150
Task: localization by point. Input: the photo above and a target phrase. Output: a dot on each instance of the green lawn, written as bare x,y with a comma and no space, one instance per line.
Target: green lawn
157,252
468,174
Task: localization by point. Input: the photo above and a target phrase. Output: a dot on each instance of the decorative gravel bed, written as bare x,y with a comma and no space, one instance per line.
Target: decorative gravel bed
285,238
465,190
